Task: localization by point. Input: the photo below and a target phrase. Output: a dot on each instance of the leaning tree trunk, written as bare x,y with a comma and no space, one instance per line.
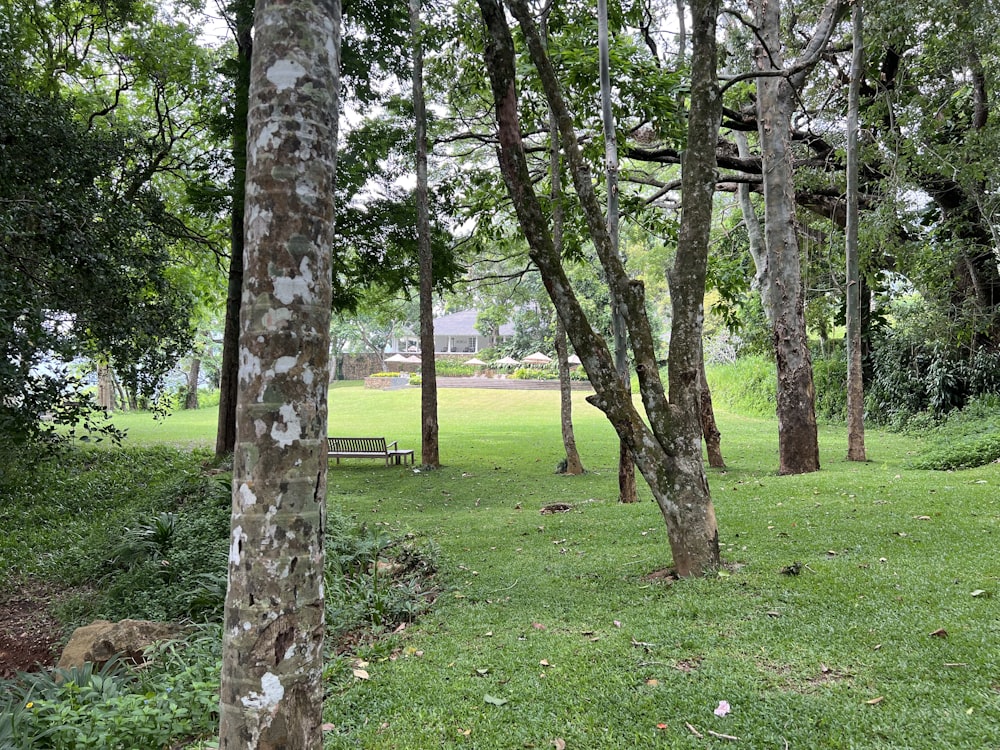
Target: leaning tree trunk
667,447
271,690
225,436
430,456
798,443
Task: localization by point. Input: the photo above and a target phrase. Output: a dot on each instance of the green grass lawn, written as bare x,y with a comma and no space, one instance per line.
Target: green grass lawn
553,628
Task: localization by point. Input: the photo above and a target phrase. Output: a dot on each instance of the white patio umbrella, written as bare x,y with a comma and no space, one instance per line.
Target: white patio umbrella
475,362
507,362
397,358
414,360
573,360
537,359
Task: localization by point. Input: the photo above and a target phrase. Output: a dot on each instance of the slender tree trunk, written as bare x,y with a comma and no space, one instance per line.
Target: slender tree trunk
225,438
573,463
798,444
855,385
271,690
709,428
430,457
667,447
194,374
627,491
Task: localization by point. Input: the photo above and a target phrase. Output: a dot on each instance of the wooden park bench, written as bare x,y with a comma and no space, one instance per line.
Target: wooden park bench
366,447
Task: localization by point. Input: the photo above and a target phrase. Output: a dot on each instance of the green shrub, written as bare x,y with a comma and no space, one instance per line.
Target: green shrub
174,696
967,454
746,386
830,382
375,579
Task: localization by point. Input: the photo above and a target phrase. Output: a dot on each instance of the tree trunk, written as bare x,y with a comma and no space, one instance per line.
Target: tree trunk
225,437
627,491
105,387
709,429
430,456
272,663
667,448
855,385
191,395
798,443
573,463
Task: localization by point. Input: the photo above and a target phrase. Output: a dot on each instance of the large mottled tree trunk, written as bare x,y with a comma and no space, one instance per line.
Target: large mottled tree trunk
272,661
667,448
798,442
855,385
225,436
430,456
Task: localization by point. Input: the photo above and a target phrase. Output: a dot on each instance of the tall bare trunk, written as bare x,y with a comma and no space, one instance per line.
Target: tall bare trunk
627,491
798,443
855,385
271,690
225,437
430,456
574,465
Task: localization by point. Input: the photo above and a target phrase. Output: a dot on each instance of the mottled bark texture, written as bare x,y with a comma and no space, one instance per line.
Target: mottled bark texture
430,454
271,692
667,449
798,443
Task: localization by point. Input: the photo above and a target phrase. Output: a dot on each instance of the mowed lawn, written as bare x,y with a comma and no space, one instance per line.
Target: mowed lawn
859,607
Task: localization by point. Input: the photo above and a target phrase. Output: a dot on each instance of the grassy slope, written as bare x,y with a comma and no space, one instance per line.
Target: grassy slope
797,657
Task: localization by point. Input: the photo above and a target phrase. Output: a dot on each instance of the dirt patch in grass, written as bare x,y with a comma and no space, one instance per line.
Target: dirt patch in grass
30,635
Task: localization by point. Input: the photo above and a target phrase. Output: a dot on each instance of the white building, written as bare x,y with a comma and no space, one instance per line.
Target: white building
454,333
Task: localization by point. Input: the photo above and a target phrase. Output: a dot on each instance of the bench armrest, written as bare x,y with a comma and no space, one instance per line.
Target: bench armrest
390,445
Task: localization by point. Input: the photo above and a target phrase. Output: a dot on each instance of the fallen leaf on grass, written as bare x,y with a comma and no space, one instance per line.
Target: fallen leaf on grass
652,682
328,727
361,674
545,663
939,633
559,743
981,592
661,726
495,701
537,626
875,701
722,709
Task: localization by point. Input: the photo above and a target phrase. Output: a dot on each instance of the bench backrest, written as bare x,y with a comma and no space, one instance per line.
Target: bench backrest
357,444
